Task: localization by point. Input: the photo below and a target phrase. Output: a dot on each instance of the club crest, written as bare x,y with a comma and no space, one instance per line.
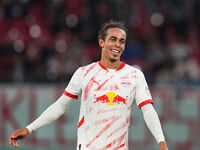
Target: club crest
126,83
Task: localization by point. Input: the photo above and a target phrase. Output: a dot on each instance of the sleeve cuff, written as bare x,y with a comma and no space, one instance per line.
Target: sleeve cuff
71,95
29,129
145,102
160,139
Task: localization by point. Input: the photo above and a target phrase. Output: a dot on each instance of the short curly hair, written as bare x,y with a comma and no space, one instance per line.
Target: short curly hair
108,25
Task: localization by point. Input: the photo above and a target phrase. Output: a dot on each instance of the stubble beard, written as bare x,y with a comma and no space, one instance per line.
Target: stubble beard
112,60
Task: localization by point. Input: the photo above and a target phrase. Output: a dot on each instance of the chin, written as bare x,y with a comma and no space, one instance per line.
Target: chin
113,60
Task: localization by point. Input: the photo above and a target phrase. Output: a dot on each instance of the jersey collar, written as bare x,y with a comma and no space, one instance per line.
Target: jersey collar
103,67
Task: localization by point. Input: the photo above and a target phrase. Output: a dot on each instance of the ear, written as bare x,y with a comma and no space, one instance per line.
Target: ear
101,43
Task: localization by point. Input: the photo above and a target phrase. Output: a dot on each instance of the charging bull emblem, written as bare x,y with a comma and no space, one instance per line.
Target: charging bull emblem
110,98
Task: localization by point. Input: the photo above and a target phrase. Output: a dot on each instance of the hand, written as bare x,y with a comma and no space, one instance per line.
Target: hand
163,146
17,135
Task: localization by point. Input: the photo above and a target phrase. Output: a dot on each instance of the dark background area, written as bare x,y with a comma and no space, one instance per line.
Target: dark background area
45,41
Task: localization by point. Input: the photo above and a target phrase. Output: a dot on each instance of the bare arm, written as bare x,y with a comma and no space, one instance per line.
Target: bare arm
163,146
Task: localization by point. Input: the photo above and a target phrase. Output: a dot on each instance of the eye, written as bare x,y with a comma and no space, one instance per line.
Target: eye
122,41
112,39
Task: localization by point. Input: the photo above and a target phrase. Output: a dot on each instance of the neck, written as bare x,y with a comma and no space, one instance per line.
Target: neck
111,65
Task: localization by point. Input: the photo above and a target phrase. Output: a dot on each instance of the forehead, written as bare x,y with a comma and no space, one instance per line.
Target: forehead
116,32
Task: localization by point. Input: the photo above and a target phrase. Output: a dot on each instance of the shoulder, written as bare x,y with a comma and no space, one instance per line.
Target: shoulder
134,69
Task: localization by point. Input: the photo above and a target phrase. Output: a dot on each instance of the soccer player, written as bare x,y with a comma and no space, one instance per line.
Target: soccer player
108,89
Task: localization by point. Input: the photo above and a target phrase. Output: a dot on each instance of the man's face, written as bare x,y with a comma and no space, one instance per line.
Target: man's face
114,44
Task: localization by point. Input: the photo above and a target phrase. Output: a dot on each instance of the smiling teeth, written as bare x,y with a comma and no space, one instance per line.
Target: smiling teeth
115,51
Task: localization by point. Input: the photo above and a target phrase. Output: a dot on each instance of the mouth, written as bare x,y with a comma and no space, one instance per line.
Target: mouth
115,51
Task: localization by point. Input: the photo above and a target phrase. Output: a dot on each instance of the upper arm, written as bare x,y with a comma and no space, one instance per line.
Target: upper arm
73,89
143,95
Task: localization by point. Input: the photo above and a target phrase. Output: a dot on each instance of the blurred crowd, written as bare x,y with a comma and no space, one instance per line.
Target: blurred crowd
45,41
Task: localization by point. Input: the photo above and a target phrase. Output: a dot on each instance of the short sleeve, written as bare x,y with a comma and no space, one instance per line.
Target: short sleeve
142,95
73,89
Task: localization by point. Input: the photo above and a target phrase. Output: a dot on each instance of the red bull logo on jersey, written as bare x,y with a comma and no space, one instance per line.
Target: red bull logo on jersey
110,99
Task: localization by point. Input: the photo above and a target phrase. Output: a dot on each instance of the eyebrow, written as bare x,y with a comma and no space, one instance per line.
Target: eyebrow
116,37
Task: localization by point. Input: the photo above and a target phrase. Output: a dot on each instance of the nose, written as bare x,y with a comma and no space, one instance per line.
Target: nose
117,43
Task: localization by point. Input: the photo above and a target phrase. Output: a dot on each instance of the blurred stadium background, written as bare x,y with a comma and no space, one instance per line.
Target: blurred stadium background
42,42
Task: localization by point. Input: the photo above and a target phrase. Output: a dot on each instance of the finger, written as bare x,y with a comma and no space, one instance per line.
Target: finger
14,143
10,140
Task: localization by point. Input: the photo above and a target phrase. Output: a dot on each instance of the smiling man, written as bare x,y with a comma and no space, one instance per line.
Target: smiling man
107,89
112,47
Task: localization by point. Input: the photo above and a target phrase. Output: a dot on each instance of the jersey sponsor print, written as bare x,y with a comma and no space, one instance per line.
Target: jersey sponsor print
107,97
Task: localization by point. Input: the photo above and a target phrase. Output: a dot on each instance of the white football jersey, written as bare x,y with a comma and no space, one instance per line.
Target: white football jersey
107,97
